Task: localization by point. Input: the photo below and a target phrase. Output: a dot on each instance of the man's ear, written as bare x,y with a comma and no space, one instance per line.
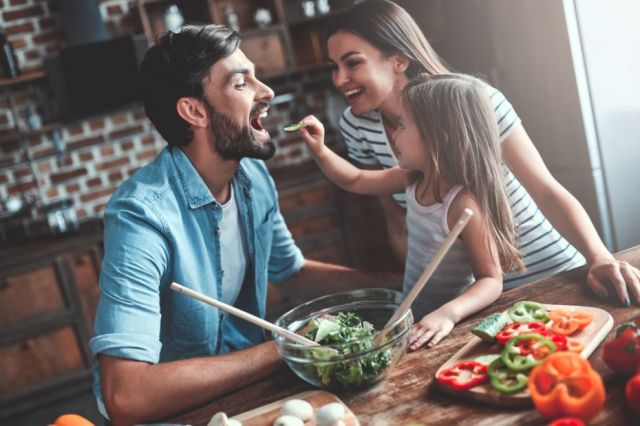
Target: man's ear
400,62
193,111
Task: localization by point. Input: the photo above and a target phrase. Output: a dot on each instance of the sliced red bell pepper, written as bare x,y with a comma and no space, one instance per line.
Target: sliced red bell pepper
567,421
464,375
517,328
622,353
558,339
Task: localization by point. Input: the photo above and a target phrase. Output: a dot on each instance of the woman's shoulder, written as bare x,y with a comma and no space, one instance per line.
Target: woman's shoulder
495,95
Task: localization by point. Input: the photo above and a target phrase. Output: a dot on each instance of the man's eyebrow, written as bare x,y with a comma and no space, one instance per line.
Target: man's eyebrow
244,71
349,53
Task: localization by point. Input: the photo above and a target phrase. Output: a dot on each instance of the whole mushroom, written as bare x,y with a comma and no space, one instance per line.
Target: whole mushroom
330,414
298,408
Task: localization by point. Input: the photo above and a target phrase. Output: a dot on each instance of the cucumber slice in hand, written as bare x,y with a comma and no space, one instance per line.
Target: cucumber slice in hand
294,127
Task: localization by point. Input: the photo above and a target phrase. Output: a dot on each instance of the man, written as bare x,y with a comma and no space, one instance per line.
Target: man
204,214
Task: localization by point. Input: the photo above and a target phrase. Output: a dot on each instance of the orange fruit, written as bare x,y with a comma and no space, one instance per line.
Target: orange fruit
72,420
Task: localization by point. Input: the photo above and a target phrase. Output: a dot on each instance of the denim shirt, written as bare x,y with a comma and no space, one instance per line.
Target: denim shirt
161,226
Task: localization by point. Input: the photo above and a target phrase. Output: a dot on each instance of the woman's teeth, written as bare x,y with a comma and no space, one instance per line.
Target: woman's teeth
353,92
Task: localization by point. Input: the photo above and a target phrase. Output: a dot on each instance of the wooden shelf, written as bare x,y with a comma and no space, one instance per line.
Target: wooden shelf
24,78
13,135
318,17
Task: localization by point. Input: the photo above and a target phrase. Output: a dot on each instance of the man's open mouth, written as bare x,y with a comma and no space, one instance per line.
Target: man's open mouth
256,123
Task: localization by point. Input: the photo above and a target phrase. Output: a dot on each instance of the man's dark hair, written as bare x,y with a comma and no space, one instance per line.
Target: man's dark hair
174,68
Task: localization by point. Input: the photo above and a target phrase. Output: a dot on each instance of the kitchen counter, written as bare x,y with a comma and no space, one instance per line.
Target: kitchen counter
409,393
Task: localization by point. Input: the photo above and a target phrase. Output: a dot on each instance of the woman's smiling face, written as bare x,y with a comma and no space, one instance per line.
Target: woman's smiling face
364,74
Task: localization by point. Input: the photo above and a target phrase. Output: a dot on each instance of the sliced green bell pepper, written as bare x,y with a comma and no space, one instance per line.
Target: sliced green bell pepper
504,380
536,353
528,311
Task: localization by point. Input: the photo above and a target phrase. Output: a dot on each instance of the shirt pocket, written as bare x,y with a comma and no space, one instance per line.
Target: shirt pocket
264,238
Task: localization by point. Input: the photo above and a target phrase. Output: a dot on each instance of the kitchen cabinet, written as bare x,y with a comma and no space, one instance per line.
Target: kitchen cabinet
48,298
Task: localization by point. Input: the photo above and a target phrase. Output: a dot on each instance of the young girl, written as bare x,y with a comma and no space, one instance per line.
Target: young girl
449,159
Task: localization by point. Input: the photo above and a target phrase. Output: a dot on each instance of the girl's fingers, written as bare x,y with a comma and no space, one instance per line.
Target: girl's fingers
415,333
423,339
437,337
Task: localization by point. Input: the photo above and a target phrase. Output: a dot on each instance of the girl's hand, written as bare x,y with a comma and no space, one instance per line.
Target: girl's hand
623,277
313,134
430,330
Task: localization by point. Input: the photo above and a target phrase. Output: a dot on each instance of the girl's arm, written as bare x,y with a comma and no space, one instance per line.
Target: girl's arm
569,217
345,174
486,270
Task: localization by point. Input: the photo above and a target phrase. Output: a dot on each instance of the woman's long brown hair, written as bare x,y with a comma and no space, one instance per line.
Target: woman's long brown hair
456,121
390,29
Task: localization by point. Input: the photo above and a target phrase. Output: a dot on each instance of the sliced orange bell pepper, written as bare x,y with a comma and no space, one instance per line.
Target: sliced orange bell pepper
565,385
570,319
574,345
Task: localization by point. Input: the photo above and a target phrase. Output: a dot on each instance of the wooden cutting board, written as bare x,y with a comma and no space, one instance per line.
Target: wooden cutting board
267,414
591,336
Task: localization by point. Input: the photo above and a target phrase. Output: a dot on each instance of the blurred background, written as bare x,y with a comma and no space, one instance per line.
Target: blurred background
72,129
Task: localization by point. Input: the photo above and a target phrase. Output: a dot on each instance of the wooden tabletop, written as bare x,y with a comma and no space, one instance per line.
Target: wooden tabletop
409,395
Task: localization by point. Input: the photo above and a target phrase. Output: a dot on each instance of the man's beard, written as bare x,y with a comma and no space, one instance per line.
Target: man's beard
233,142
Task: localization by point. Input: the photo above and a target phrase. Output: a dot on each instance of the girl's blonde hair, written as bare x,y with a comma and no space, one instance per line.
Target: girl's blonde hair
456,121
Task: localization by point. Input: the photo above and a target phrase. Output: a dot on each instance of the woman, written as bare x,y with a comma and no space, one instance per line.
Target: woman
376,48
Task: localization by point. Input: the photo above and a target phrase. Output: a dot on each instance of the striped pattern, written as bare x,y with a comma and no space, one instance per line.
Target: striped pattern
544,251
428,228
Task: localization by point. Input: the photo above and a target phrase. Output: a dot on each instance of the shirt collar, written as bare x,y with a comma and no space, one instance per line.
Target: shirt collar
195,190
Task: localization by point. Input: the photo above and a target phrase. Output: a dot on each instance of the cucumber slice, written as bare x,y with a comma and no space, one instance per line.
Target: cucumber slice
294,127
490,326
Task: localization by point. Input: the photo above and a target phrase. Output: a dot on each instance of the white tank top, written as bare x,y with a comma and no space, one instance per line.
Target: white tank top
427,228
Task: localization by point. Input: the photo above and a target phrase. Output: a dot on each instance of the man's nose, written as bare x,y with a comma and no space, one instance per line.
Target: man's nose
264,93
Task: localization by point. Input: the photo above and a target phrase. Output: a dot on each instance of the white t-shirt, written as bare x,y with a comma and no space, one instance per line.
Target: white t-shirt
233,251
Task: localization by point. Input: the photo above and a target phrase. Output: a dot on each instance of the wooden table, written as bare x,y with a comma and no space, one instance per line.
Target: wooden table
409,393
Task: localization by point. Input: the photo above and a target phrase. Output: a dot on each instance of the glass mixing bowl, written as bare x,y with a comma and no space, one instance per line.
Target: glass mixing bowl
353,364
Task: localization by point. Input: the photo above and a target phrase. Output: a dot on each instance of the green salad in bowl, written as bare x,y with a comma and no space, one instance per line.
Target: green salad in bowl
345,324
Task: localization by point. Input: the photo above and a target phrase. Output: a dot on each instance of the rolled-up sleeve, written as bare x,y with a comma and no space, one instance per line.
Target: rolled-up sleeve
136,255
286,258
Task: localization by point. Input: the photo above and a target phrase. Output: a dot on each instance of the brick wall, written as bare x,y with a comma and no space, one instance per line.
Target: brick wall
99,153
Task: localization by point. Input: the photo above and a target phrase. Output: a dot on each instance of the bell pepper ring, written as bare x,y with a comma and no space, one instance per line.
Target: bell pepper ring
517,328
528,311
464,375
565,385
504,380
526,351
583,318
